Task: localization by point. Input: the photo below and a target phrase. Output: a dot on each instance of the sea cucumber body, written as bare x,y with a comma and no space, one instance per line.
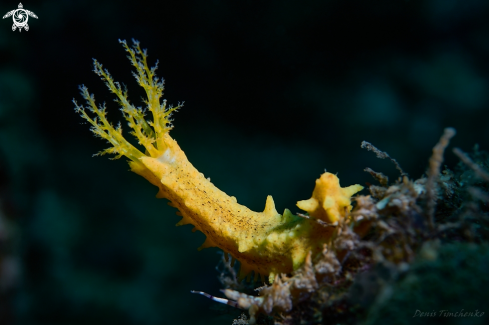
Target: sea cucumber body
265,242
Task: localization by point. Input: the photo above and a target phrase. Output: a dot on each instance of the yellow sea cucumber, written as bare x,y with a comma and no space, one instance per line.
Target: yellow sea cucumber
265,242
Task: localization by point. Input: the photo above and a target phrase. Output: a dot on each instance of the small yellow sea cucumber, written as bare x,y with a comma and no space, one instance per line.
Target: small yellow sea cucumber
267,242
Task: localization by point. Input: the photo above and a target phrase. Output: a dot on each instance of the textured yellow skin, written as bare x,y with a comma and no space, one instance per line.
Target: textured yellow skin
265,242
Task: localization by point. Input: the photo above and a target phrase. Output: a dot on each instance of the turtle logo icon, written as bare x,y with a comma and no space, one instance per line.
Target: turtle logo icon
20,17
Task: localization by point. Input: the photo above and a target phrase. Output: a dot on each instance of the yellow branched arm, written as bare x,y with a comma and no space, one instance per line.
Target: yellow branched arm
149,134
265,242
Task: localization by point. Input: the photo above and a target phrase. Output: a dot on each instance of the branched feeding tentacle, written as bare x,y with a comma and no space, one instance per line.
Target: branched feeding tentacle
150,134
153,87
102,128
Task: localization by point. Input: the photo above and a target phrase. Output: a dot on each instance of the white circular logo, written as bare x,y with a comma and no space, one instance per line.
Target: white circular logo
20,17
